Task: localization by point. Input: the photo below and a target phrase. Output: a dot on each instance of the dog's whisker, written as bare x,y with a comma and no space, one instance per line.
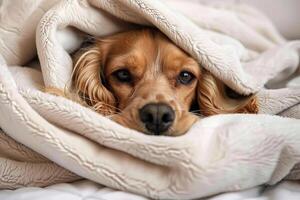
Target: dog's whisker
192,111
198,114
172,129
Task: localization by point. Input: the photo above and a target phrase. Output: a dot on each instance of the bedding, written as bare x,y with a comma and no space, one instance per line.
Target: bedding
47,139
87,190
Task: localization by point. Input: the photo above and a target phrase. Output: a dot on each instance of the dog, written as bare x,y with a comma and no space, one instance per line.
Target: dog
143,81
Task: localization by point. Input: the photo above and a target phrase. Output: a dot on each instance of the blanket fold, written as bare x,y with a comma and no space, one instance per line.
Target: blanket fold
64,141
181,30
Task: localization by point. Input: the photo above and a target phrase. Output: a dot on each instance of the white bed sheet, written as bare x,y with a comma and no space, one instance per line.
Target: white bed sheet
87,190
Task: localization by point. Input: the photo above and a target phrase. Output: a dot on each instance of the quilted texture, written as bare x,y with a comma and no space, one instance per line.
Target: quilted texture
225,64
219,154
17,44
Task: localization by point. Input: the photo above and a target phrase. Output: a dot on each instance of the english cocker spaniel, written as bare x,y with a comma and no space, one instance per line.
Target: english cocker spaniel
143,81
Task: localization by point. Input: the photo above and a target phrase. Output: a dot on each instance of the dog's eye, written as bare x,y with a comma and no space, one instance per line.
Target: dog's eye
123,75
185,77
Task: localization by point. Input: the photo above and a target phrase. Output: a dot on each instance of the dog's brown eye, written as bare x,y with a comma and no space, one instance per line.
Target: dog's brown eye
185,77
123,75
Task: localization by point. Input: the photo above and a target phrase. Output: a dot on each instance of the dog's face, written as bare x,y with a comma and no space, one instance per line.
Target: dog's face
153,81
149,84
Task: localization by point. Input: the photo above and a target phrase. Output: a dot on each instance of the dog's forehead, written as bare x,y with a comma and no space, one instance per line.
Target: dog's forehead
149,49
158,48
148,41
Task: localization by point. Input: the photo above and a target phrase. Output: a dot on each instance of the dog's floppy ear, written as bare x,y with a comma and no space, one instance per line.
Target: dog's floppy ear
88,83
214,97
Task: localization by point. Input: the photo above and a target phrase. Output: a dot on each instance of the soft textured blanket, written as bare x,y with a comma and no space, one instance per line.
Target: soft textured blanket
65,141
87,190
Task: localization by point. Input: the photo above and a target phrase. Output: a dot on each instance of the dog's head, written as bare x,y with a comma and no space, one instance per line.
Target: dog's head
145,82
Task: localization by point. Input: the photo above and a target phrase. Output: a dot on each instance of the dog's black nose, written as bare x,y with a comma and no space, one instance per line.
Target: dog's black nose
157,117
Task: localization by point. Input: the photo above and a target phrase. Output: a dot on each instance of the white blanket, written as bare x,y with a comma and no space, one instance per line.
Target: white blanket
219,154
87,190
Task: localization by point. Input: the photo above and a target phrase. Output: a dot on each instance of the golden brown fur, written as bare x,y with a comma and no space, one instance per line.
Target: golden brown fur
156,67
